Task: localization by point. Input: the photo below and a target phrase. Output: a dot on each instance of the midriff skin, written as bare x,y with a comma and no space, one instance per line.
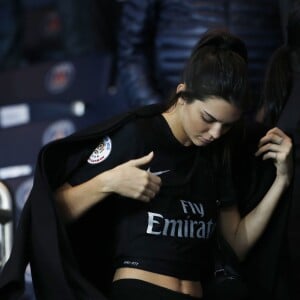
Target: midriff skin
192,288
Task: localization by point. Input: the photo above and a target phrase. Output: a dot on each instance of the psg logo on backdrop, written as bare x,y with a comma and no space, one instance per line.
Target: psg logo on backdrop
101,152
58,130
60,77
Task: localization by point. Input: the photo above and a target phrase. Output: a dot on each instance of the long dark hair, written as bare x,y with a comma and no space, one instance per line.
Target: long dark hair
278,79
217,67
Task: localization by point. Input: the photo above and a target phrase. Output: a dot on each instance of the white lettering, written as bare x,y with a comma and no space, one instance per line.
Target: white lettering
151,223
173,227
200,233
192,224
158,225
199,208
194,208
184,206
211,227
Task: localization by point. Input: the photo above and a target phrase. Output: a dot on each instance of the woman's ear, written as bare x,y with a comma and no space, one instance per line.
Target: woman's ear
180,87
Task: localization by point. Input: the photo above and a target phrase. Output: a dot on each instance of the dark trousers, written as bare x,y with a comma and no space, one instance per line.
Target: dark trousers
133,289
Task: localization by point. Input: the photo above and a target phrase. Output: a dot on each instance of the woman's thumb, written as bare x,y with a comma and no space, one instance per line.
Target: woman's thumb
142,160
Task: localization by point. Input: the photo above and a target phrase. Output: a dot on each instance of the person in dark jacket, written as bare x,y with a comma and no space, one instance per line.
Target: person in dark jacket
281,108
156,38
127,209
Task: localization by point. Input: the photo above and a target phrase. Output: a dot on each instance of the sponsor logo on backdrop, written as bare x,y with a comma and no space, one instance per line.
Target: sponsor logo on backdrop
58,130
14,115
15,171
60,77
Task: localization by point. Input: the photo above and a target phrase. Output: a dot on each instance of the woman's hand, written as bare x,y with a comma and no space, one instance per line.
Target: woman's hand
277,146
130,181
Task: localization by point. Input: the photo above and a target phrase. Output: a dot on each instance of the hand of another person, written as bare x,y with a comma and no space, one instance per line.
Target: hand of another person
130,181
278,146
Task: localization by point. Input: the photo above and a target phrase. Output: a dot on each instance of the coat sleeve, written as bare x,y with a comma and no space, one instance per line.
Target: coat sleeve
41,238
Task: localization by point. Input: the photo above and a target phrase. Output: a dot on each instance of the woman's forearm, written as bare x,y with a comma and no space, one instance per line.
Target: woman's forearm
73,201
252,226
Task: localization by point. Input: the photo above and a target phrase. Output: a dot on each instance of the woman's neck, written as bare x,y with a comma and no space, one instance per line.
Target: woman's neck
172,117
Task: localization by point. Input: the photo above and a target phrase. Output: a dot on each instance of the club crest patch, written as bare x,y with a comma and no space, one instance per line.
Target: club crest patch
101,152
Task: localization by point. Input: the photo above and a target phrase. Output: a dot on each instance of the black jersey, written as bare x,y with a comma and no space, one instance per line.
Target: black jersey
171,234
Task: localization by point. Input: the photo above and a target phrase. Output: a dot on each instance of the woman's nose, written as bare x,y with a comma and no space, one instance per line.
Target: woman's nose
215,131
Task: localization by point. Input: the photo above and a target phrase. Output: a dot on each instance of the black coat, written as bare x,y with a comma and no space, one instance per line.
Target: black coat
43,240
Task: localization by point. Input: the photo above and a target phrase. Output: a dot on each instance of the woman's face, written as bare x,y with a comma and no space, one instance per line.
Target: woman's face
202,122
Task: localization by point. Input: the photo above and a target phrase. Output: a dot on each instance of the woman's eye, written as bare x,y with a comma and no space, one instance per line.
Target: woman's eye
207,119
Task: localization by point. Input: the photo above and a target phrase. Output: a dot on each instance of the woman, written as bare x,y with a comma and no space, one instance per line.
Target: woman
154,175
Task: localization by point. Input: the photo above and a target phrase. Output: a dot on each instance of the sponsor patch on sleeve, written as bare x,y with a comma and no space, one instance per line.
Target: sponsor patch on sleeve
101,152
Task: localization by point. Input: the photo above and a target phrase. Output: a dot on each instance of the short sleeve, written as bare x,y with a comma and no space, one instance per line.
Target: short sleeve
111,151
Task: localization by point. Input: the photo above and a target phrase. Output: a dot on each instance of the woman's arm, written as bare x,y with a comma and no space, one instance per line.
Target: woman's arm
127,180
242,233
